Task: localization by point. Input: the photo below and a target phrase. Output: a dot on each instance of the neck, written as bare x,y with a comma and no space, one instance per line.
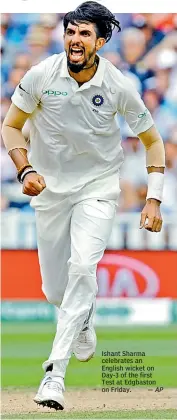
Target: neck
86,74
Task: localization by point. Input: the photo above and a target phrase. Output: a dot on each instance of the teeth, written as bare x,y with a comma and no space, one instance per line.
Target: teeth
76,50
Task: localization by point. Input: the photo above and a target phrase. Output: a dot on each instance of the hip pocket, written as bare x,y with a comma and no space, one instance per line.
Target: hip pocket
100,208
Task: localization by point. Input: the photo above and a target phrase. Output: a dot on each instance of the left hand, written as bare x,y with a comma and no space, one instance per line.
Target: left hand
151,218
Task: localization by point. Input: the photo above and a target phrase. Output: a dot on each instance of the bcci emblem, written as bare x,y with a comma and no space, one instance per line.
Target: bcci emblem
97,100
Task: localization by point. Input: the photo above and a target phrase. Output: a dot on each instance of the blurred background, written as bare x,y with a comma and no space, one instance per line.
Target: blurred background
137,277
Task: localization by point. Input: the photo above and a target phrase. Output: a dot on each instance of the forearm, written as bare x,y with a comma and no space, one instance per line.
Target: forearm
16,146
155,162
155,151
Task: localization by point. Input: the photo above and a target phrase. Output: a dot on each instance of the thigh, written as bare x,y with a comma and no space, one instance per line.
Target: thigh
54,249
91,226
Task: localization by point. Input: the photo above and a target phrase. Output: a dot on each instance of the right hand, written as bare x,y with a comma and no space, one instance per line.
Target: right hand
33,184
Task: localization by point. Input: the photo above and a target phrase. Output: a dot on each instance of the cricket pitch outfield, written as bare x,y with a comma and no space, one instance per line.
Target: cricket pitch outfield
26,345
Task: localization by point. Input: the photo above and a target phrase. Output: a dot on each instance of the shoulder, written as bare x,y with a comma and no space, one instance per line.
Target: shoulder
48,65
113,75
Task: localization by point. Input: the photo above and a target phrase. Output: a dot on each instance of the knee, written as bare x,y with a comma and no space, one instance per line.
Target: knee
53,298
84,275
82,269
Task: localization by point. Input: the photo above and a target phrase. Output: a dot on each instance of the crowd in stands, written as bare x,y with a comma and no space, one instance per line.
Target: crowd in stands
145,51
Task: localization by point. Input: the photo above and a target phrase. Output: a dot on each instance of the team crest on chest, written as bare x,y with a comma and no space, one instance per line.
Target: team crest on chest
97,100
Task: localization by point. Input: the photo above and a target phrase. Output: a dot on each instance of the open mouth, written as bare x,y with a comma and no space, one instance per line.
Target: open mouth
76,53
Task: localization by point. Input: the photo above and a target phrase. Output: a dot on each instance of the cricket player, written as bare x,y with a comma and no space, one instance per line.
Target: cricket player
72,173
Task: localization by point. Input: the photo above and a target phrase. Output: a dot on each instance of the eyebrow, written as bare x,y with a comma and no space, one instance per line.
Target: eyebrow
80,30
85,30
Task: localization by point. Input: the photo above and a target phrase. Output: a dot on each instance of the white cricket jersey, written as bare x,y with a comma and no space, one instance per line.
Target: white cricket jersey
74,132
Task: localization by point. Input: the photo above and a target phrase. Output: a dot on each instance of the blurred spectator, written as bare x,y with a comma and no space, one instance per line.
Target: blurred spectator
134,167
165,61
170,187
171,151
114,57
11,191
128,198
133,173
4,203
160,21
169,42
4,23
8,171
155,102
133,48
141,191
37,44
23,62
133,45
49,21
152,35
2,45
13,33
14,79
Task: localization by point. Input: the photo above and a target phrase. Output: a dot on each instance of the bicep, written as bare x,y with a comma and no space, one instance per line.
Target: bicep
15,117
135,112
149,137
27,94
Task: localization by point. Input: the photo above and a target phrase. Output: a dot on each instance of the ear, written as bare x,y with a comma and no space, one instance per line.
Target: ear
99,43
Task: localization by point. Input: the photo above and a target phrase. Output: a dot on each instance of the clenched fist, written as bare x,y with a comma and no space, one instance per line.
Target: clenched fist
151,218
33,184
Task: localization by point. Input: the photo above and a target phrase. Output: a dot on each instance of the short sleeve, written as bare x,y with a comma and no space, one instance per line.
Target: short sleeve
27,94
134,110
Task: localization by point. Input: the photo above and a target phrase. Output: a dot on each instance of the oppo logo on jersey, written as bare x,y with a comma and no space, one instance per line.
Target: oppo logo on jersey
54,92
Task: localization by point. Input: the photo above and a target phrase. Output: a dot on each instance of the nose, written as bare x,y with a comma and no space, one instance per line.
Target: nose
76,38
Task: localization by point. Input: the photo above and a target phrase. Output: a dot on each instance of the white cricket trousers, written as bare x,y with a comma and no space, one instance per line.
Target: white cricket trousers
72,236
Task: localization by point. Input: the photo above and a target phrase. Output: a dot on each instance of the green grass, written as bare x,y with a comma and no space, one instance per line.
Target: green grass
128,414
26,345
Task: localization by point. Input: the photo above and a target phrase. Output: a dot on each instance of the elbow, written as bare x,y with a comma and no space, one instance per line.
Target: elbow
4,134
3,129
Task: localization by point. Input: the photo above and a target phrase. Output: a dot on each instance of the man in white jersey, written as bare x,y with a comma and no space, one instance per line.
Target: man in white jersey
72,172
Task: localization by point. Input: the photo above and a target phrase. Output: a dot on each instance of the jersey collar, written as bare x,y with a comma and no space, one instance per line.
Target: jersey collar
96,80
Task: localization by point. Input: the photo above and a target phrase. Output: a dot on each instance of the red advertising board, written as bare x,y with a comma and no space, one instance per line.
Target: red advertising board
120,273
138,274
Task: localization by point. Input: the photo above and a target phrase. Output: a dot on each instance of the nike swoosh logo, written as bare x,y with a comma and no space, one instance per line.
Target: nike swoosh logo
20,87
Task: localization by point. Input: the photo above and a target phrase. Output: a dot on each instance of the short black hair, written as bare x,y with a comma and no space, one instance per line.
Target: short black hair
91,11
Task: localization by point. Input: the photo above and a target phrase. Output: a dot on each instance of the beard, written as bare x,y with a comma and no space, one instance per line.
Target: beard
77,67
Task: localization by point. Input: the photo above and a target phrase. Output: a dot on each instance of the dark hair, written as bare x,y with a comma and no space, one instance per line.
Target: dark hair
91,11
